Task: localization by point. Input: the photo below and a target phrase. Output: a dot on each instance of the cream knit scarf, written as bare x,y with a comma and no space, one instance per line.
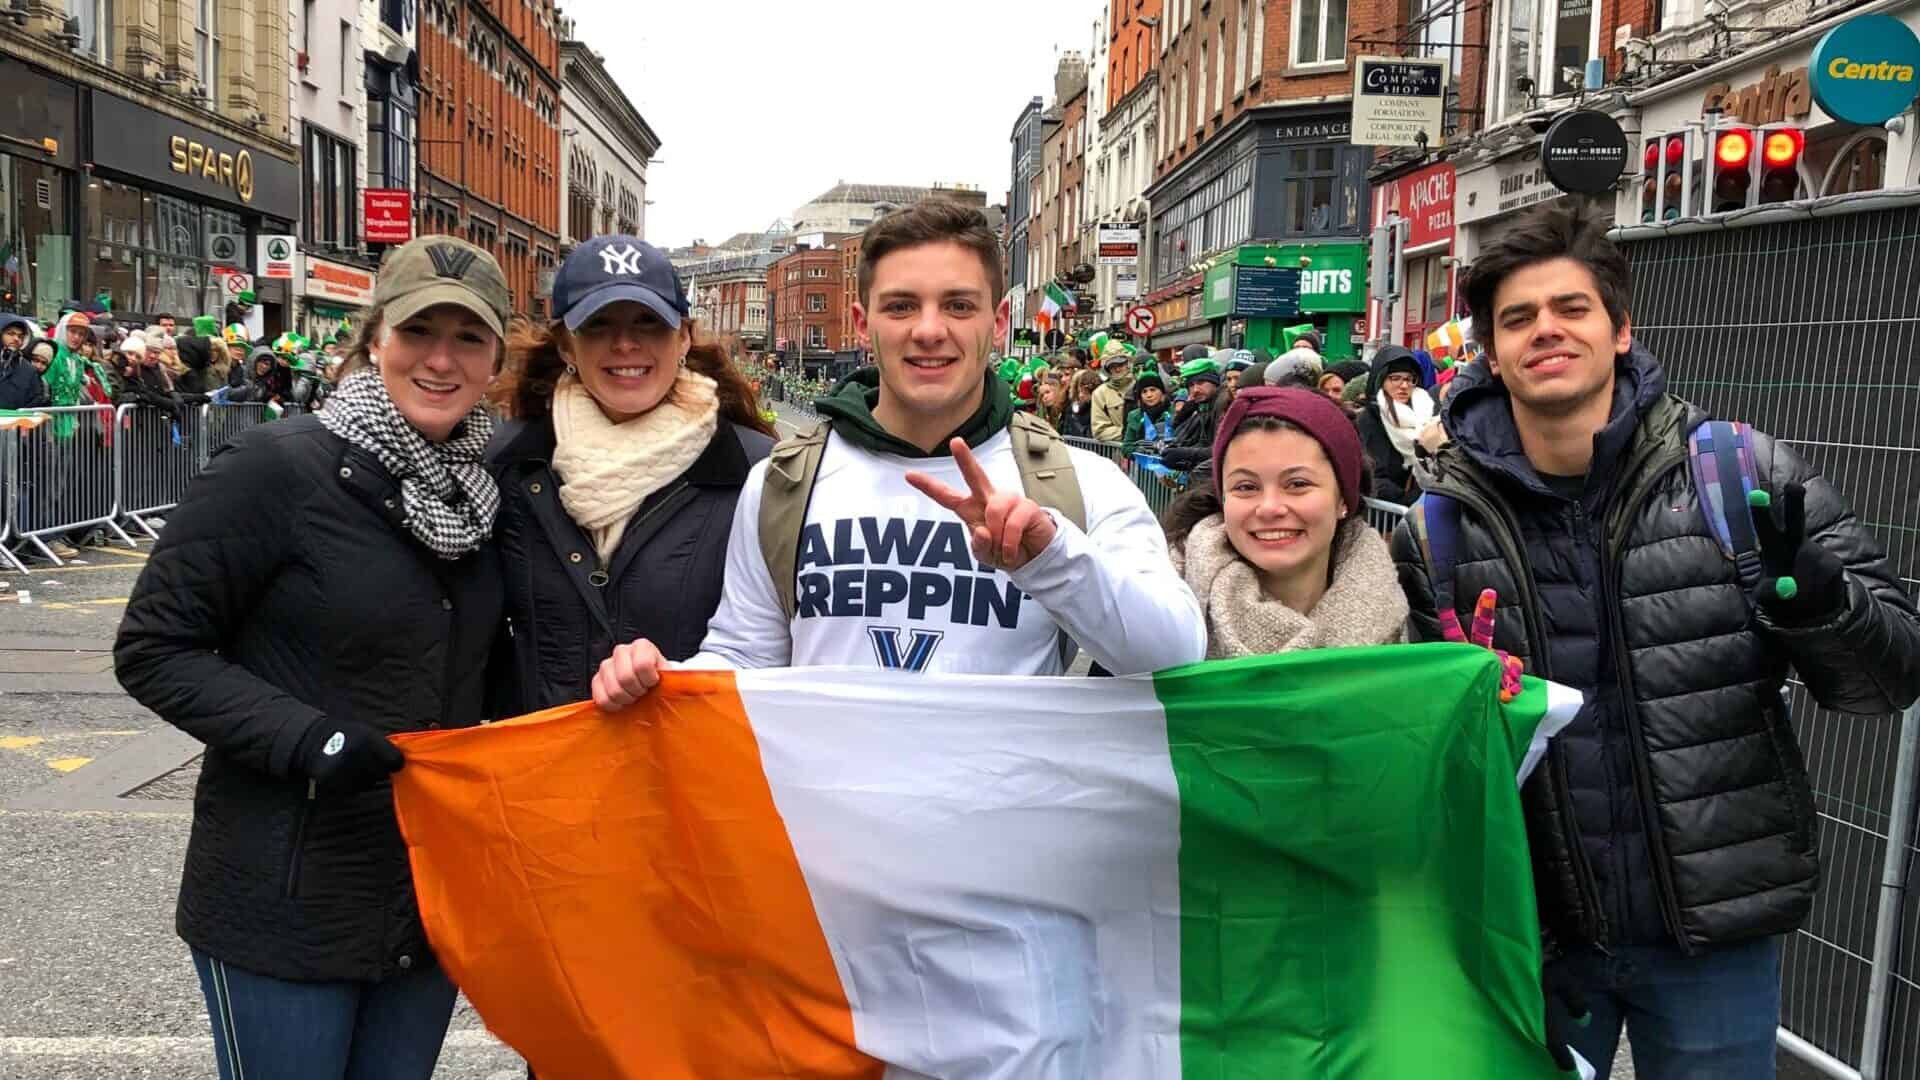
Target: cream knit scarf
607,470
1362,606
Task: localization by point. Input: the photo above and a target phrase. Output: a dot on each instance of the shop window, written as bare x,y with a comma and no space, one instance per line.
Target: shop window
329,191
1860,164
1319,32
36,239
147,250
1324,190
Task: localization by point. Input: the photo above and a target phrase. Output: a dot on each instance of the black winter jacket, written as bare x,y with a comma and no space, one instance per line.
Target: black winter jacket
565,611
21,387
1676,806
1389,478
285,590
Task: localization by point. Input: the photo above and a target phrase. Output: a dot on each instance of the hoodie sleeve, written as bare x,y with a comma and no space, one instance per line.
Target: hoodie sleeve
1113,588
1866,660
749,629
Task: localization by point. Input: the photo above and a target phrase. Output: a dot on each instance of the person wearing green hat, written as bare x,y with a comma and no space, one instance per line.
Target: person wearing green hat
331,582
1149,426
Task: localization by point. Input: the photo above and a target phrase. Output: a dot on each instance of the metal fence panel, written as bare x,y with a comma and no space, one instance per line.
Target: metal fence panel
66,479
9,498
158,453
1808,330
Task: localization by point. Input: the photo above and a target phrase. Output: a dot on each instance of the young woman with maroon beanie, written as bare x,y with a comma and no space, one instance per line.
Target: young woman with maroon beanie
1276,548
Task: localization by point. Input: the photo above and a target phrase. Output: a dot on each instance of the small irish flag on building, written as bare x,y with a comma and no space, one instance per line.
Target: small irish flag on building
1052,302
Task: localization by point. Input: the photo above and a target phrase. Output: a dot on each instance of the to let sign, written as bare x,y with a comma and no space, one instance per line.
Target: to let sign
1119,245
388,213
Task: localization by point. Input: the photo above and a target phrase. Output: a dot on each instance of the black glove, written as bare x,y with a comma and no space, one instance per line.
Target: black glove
1803,584
1566,1010
343,755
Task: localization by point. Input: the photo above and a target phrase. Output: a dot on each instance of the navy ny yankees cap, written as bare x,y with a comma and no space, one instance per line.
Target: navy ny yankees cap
608,269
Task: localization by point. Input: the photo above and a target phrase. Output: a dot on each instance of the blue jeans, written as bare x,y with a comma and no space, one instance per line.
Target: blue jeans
272,1029
1705,1017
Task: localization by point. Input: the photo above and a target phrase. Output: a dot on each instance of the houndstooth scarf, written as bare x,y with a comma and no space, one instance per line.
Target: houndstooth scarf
449,497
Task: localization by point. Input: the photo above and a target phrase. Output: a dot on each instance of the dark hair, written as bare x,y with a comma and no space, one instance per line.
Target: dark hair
1087,380
163,315
932,221
537,357
1576,232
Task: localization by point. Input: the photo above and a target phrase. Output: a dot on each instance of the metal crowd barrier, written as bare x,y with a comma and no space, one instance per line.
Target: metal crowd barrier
158,456
9,472
102,466
67,476
1383,516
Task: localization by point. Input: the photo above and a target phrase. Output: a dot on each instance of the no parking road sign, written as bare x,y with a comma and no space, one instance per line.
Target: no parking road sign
1140,321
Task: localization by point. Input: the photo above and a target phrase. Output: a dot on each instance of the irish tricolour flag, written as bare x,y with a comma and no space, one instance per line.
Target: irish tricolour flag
1053,301
1311,866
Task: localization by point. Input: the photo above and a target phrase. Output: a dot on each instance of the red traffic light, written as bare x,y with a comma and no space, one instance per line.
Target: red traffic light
1676,149
1733,149
1652,156
1782,147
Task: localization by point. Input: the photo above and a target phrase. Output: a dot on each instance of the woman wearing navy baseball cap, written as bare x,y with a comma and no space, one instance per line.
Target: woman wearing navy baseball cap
631,440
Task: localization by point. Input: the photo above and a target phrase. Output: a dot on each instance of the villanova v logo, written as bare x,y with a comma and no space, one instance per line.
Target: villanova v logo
450,261
920,648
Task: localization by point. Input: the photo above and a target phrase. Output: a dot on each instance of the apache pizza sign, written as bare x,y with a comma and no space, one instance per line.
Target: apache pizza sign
1424,200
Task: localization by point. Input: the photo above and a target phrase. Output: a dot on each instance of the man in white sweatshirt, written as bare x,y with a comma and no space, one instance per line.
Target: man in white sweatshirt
920,548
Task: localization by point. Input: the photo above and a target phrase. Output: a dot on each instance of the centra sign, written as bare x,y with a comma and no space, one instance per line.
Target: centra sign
1863,70
233,171
1777,96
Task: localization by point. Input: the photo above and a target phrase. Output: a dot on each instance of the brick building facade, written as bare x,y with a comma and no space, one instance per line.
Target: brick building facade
489,151
806,294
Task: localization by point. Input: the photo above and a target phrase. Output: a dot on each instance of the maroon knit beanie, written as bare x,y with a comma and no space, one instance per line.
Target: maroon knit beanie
1310,411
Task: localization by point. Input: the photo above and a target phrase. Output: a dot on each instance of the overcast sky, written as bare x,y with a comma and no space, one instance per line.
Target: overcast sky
761,105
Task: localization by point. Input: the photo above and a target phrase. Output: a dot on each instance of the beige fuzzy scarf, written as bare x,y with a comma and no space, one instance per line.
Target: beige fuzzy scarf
1363,605
607,470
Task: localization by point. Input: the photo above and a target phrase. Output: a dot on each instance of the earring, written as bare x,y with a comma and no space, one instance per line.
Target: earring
571,370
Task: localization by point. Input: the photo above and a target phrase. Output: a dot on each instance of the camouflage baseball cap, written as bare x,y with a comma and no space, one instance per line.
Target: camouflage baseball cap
434,270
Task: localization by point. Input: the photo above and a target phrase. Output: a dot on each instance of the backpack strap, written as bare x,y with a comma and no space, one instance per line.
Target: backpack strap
1437,526
1046,468
1721,454
791,469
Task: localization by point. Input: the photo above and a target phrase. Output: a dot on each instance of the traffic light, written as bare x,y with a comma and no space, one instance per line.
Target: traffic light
1780,150
1667,189
1732,169
1756,166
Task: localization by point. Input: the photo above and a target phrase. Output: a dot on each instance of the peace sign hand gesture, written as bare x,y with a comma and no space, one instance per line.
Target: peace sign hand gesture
1008,530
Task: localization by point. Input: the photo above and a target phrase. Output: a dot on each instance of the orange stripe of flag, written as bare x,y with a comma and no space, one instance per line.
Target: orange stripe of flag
617,895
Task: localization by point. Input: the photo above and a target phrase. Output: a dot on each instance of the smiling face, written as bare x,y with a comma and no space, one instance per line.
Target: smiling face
1553,343
436,366
1281,503
627,358
931,318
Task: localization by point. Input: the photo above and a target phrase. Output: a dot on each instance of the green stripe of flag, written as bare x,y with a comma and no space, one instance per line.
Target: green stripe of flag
1355,895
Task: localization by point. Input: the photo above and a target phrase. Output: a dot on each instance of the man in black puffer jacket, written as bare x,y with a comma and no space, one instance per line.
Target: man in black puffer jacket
1673,827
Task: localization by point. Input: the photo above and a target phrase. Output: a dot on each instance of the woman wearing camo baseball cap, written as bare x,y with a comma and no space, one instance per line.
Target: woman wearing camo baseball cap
328,582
